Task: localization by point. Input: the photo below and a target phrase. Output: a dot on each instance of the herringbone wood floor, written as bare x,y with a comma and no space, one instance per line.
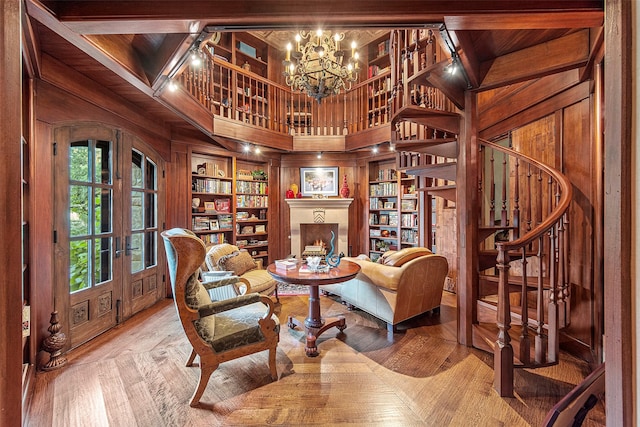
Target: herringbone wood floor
134,375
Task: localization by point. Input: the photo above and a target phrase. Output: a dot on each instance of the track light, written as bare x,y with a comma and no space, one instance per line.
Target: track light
319,155
256,150
196,60
392,146
375,149
246,148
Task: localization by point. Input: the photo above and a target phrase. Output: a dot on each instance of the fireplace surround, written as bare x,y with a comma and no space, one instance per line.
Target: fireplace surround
332,212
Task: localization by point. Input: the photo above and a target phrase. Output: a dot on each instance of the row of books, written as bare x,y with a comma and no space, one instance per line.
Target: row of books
208,185
383,47
409,236
387,175
251,187
213,238
245,201
383,189
409,220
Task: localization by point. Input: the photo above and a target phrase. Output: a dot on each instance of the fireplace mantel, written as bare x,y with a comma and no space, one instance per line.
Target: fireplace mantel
301,211
319,203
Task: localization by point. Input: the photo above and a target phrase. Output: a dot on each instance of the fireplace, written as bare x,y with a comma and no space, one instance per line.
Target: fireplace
319,234
314,219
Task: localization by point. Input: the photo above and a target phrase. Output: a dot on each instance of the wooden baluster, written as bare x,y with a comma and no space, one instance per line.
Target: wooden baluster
529,203
554,339
492,189
541,341
566,288
539,199
503,353
525,344
516,201
561,275
504,221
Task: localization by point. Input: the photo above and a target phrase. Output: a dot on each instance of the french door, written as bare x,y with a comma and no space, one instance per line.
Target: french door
108,189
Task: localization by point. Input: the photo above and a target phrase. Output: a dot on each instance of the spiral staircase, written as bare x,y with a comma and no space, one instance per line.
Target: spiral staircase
521,292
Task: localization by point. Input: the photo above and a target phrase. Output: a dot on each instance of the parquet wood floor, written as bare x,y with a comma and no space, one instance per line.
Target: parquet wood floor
134,375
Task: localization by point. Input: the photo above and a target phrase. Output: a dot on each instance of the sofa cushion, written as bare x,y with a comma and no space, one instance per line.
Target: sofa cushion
239,262
397,259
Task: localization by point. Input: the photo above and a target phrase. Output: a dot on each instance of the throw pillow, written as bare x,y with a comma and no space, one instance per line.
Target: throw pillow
239,262
397,259
382,259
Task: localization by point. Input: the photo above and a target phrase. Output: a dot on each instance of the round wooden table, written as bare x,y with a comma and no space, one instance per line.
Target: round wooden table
314,324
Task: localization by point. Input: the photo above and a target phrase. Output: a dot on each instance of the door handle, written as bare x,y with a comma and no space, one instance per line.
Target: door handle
128,248
118,250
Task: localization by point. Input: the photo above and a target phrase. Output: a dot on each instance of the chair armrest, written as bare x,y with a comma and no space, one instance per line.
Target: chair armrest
228,304
229,280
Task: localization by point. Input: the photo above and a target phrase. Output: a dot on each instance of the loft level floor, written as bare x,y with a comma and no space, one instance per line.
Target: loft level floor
135,376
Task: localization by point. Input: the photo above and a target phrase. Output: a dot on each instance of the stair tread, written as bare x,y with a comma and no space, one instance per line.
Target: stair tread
532,281
438,170
445,191
437,119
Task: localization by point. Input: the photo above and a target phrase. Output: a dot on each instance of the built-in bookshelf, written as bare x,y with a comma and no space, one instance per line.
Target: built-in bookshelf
251,208
212,198
394,216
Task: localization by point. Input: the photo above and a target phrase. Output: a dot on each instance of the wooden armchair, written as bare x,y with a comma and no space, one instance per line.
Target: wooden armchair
222,330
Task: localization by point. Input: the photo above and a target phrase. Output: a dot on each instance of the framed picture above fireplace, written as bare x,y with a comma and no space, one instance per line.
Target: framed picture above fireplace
320,180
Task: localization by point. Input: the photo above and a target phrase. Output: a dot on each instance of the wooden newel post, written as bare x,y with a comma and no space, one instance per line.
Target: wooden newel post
53,344
503,353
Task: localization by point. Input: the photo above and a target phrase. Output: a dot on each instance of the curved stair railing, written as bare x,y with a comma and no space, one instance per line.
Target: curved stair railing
539,250
522,288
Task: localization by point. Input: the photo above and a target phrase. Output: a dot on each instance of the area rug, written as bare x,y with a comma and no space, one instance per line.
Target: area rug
285,289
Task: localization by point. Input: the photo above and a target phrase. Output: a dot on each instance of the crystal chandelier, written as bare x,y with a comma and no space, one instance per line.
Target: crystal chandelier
318,66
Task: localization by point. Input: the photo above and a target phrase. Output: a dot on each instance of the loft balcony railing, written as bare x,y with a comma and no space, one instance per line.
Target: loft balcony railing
231,92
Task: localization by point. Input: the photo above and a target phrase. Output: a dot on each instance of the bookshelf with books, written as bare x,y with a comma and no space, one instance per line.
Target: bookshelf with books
251,206
378,81
393,209
211,198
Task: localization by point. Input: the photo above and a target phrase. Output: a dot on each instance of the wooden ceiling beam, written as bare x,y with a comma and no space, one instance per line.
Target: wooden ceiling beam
564,53
526,21
138,17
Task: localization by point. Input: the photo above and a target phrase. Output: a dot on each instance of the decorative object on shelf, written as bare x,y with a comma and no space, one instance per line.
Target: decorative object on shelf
331,259
344,191
53,344
289,194
299,195
294,188
195,203
259,175
318,66
246,66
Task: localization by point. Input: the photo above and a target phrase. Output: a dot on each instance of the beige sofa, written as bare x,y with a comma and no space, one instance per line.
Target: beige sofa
229,257
400,285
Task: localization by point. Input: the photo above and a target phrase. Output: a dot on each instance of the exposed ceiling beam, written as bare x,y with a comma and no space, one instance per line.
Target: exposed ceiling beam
140,16
554,56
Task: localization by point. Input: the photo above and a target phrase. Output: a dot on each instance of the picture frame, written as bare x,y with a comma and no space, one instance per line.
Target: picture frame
319,180
388,205
213,225
384,219
209,207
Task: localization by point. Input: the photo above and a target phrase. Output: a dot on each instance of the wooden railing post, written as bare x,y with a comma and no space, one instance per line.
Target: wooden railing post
503,353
